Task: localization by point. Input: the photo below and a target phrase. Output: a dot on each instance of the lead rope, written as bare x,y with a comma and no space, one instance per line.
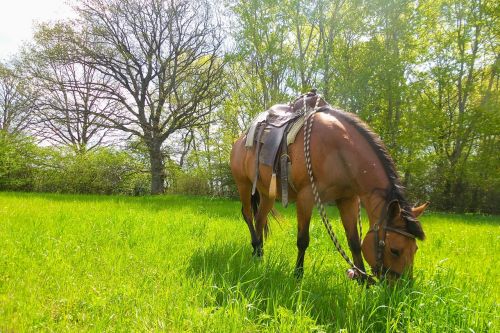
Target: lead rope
309,119
359,221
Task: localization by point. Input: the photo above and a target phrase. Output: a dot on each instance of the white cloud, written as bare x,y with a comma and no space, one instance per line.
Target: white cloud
18,18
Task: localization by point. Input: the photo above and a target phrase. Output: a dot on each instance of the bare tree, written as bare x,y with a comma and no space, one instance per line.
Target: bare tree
164,59
69,110
16,101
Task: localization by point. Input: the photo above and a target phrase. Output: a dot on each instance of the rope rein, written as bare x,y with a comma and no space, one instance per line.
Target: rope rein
309,119
359,221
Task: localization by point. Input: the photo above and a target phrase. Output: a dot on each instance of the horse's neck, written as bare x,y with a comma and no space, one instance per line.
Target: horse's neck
367,166
373,189
374,204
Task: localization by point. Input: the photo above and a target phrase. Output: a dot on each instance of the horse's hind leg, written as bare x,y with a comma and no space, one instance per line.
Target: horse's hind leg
304,212
245,191
349,209
265,206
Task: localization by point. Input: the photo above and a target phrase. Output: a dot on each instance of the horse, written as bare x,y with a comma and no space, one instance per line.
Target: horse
351,166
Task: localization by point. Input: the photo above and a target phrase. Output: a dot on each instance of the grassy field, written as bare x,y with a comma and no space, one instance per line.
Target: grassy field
177,264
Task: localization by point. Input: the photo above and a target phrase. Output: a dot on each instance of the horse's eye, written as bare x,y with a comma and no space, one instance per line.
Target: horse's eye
395,252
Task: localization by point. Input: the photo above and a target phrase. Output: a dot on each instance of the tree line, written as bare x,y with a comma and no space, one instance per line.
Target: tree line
147,96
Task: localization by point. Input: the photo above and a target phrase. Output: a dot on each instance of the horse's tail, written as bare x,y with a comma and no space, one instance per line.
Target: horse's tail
255,201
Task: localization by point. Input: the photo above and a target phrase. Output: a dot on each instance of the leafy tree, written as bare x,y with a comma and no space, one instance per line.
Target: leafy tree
263,51
458,87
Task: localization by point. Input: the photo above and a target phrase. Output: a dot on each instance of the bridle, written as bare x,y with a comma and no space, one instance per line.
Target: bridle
380,242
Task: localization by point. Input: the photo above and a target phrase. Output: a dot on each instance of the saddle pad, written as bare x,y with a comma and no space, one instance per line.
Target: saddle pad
294,130
251,130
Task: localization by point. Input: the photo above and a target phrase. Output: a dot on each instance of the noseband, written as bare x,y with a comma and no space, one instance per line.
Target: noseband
380,242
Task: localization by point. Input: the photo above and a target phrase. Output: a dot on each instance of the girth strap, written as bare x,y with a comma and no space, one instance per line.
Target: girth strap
284,169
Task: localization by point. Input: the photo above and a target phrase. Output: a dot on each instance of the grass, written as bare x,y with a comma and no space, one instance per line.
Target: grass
177,264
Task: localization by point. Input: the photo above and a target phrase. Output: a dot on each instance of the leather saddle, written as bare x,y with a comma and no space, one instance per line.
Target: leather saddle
280,114
268,133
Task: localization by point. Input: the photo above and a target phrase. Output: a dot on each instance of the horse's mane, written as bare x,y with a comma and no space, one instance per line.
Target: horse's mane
396,189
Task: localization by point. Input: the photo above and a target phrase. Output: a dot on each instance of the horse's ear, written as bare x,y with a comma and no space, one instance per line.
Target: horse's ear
417,211
393,210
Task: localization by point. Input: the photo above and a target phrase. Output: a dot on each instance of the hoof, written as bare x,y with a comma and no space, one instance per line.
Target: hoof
352,274
258,253
299,273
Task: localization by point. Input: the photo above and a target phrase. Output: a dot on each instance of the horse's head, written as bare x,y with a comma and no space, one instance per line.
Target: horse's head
390,245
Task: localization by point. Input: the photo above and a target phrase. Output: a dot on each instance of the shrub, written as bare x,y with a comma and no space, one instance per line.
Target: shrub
17,162
101,171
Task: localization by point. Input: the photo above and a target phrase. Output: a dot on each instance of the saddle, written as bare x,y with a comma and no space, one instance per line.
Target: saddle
271,132
268,133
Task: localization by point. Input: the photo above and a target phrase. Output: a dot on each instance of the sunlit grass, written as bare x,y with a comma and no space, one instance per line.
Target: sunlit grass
181,264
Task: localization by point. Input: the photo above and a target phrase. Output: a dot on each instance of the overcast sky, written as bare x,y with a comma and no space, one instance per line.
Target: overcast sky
17,19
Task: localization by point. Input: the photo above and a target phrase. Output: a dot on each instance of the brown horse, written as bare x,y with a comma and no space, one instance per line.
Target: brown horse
349,163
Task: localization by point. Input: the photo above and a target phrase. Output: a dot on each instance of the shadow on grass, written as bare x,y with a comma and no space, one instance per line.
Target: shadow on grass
325,296
269,284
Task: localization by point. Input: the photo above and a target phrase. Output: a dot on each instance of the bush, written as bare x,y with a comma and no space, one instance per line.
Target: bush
214,181
102,171
17,162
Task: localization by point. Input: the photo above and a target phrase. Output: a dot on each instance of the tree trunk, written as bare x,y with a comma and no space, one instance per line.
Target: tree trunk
157,168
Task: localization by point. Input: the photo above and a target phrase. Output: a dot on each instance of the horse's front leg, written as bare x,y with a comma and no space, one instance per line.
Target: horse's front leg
349,209
304,212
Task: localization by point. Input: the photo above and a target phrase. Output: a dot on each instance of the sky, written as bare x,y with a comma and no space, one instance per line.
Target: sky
18,18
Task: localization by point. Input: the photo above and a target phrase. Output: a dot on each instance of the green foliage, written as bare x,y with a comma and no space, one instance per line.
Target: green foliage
424,75
101,171
184,264
217,181
17,162
25,166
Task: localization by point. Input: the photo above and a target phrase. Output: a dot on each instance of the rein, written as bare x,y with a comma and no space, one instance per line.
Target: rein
319,204
381,223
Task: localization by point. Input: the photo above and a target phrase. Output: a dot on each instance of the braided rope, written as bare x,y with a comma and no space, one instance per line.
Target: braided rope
317,199
309,119
359,220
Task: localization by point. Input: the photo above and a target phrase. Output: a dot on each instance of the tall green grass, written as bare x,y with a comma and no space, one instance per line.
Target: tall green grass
175,263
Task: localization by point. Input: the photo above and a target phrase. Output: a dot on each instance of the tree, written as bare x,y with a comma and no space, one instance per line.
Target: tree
262,50
71,109
164,59
460,81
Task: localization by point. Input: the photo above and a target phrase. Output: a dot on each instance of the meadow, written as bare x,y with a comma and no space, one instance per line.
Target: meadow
184,264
